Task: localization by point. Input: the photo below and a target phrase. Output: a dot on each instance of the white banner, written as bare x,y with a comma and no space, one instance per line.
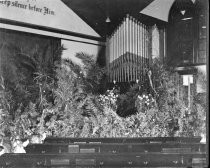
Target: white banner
47,13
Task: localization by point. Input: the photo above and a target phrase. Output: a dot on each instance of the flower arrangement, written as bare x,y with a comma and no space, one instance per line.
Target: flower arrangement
145,102
109,98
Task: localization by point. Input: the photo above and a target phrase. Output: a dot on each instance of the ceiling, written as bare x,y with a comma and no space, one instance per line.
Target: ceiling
95,12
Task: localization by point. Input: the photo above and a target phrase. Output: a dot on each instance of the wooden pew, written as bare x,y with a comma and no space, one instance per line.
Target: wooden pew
151,159
124,140
116,148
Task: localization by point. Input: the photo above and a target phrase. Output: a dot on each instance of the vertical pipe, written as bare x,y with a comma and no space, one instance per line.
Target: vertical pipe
136,51
127,47
116,52
147,49
114,38
143,61
120,51
112,63
133,49
111,58
137,48
139,44
140,50
108,55
116,55
130,47
128,55
119,57
146,56
146,44
141,37
189,94
113,53
145,38
124,50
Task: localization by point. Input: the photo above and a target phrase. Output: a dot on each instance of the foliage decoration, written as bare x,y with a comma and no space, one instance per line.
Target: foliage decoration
78,110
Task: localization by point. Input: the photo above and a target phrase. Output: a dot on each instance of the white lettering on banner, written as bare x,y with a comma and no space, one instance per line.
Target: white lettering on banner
44,10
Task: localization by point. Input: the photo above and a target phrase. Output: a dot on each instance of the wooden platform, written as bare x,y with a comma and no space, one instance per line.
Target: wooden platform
53,148
108,152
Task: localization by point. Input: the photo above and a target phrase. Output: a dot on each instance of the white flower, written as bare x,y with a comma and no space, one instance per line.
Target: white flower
140,97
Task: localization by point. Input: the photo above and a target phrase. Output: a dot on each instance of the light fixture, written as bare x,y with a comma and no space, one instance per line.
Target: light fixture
193,1
187,18
183,12
137,81
108,19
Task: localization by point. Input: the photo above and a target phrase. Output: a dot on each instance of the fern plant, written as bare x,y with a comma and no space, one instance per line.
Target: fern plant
75,99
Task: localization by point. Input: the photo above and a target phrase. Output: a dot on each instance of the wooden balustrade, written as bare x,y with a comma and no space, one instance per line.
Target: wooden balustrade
149,159
115,147
124,140
110,152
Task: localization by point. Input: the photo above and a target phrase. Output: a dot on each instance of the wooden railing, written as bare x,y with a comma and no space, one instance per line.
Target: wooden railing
110,152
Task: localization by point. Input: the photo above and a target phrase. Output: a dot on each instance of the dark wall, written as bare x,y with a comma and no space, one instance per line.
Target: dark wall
186,33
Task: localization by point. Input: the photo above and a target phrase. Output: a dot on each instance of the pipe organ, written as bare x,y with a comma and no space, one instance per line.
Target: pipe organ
127,51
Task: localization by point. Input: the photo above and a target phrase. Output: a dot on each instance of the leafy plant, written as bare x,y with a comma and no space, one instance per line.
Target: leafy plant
19,71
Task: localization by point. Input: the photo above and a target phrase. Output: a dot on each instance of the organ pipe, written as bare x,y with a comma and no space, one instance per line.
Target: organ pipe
141,59
136,51
133,49
143,38
127,51
117,53
139,51
124,47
